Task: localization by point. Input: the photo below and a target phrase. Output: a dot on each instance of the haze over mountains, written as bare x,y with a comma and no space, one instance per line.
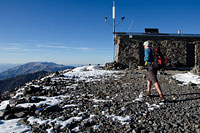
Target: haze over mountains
4,66
32,67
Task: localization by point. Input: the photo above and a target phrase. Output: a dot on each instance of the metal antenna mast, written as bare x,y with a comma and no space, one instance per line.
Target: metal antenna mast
113,30
114,26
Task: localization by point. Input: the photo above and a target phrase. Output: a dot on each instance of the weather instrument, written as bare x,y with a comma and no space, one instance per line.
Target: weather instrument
114,26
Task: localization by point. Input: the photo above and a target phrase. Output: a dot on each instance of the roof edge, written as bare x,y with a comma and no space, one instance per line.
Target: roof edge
159,34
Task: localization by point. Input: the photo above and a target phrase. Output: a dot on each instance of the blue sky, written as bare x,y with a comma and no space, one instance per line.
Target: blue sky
74,31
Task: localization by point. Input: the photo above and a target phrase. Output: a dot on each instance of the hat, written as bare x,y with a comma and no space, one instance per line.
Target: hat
147,43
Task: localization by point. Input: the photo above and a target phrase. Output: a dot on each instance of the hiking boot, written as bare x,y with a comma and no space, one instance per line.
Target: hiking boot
161,99
148,94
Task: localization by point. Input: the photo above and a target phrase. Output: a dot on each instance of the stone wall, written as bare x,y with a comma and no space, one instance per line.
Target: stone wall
196,69
197,54
179,49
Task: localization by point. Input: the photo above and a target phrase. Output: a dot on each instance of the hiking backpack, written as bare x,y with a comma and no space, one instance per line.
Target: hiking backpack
158,59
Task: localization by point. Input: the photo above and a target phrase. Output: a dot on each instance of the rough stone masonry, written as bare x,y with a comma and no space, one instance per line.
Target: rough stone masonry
182,49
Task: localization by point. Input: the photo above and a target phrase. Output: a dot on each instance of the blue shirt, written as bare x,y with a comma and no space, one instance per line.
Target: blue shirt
148,56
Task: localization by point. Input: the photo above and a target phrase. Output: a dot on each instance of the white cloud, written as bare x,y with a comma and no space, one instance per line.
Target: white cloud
52,46
33,50
18,49
9,48
65,47
83,49
36,46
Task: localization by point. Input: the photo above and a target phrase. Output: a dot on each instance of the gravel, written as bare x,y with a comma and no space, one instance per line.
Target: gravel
113,104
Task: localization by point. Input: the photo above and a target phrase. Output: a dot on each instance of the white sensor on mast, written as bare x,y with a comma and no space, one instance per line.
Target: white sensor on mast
113,9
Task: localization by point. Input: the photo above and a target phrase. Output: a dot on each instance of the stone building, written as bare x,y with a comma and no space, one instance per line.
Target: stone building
181,49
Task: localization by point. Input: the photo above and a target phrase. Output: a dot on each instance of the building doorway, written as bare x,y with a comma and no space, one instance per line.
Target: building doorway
190,57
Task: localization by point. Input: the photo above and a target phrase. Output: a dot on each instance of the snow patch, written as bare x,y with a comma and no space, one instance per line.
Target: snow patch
50,130
151,107
67,122
140,99
49,101
11,126
123,120
95,127
70,105
88,73
99,101
4,104
187,77
63,124
33,120
76,129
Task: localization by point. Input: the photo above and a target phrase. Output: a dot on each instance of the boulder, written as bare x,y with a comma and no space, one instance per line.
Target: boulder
114,66
3,113
18,109
21,114
31,90
22,121
9,117
54,108
17,101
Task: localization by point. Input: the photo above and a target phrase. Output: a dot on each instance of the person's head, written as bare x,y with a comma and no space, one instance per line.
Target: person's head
147,44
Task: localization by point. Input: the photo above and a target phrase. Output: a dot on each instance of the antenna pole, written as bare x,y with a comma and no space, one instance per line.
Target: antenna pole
114,26
113,30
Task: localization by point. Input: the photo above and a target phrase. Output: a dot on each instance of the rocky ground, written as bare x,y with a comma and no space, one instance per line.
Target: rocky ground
111,103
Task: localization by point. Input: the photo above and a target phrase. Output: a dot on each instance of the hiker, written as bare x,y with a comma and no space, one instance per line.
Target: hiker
151,70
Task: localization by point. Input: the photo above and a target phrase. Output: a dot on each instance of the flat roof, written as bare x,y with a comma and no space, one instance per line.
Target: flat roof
159,34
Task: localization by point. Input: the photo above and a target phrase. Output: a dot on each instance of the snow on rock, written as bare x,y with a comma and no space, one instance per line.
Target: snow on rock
67,122
86,68
49,101
88,73
185,78
151,107
63,124
123,120
33,120
140,99
70,105
19,93
95,127
98,101
11,126
76,129
50,130
4,104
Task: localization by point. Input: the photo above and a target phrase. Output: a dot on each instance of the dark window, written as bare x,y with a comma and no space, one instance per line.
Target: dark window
190,59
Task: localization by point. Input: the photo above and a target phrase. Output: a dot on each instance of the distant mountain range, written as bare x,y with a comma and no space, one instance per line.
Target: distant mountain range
21,74
32,67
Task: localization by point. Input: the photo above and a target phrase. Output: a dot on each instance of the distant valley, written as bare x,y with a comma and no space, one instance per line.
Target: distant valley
12,83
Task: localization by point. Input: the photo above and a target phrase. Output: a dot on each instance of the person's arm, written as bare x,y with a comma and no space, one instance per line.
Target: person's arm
146,54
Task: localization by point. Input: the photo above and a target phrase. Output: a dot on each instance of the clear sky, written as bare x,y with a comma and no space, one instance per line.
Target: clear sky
74,31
